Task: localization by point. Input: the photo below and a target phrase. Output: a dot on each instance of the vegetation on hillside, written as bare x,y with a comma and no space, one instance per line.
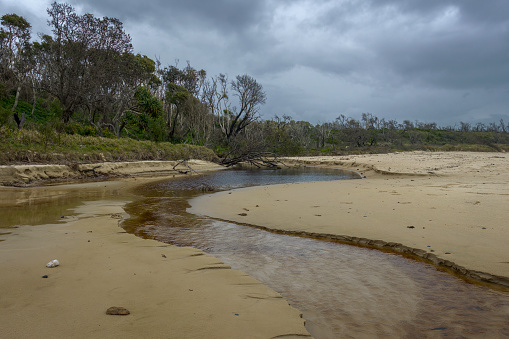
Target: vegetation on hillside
82,94
47,146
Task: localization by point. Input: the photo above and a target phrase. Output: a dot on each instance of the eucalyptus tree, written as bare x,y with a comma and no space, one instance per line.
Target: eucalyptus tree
115,100
82,62
250,97
232,120
15,56
63,59
176,95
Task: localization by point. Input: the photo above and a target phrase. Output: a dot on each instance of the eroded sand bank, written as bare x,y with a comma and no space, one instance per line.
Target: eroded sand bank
30,174
171,292
451,208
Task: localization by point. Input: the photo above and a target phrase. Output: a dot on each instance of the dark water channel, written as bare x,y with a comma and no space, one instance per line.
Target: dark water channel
342,291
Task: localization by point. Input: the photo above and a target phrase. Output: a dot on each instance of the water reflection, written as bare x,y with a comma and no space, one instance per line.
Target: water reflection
343,291
47,204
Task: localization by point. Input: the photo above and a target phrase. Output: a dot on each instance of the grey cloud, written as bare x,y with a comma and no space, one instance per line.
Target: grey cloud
225,16
400,59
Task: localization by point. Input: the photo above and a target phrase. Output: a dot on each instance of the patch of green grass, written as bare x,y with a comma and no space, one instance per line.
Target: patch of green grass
48,146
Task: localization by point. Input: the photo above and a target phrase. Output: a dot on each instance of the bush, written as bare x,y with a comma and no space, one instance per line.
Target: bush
4,116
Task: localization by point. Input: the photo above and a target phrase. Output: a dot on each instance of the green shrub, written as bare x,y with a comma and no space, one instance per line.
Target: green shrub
4,116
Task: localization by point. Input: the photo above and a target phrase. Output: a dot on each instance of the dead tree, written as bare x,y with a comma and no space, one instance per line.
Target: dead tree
257,159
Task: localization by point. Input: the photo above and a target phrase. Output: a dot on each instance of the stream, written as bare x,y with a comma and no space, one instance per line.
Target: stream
343,291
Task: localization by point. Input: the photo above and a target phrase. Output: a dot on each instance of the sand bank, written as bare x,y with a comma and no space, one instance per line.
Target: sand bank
171,292
23,175
450,208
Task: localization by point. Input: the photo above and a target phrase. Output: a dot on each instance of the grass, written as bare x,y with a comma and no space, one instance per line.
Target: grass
48,146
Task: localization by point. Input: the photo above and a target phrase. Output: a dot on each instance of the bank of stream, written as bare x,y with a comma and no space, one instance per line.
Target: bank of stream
343,291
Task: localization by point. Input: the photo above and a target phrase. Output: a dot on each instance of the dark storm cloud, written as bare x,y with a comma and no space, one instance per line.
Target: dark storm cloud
442,60
454,44
226,16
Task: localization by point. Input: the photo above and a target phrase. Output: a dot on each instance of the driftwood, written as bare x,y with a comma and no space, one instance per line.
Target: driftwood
256,159
186,164
91,170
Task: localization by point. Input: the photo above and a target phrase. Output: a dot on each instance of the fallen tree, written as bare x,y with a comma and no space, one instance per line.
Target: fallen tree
257,159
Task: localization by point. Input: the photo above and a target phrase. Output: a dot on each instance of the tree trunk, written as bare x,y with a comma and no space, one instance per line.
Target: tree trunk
19,121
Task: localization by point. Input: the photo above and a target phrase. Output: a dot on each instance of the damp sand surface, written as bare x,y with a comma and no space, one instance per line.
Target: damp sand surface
452,205
343,291
171,292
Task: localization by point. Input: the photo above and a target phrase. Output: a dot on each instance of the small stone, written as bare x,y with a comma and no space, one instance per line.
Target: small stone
447,252
45,276
242,214
162,255
484,228
410,227
53,263
117,311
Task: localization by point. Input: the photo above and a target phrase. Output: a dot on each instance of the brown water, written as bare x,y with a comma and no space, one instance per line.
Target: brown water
342,291
48,204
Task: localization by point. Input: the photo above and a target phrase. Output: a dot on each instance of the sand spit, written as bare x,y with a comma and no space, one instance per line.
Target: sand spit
448,208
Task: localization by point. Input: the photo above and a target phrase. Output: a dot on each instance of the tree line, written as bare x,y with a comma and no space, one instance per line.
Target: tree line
85,78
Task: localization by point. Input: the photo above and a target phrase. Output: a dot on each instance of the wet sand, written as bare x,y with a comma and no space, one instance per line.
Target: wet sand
171,292
450,208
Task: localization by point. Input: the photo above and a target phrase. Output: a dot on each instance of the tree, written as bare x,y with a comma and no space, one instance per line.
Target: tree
82,62
233,120
112,98
250,95
15,59
176,96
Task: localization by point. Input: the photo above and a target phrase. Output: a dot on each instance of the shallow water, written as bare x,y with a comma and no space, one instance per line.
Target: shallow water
342,291
48,204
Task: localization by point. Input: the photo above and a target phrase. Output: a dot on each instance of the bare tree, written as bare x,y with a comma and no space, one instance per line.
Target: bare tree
233,120
250,95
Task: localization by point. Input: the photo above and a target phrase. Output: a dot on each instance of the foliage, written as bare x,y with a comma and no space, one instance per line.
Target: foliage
47,145
84,81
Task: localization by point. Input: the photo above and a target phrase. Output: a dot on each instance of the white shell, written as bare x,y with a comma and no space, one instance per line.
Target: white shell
53,263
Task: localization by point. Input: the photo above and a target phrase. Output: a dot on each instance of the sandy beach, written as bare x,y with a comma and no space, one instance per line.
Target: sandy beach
171,292
449,208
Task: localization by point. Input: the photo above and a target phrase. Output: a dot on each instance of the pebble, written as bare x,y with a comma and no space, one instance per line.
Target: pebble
439,329
114,310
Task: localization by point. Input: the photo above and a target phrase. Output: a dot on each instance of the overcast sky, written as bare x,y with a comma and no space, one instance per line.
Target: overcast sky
429,60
